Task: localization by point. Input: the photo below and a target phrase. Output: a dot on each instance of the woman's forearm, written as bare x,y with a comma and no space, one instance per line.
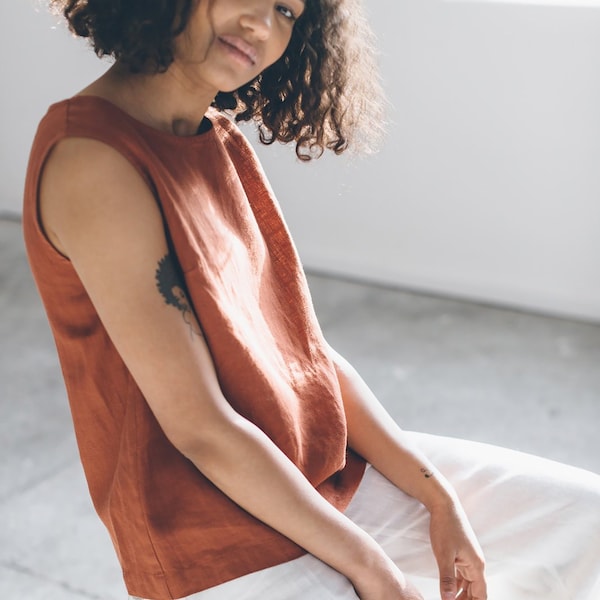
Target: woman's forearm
247,466
377,437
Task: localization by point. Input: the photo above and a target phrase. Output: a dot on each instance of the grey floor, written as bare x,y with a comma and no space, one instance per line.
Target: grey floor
442,366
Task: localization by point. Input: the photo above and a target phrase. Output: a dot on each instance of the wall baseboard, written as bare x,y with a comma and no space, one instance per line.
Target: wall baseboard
10,215
544,305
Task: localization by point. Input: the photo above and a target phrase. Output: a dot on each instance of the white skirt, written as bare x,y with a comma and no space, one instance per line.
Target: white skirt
538,522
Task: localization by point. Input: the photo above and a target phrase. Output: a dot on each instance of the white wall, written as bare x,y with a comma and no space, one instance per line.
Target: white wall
488,186
40,63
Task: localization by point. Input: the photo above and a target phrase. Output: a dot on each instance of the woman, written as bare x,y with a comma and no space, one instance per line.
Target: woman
224,442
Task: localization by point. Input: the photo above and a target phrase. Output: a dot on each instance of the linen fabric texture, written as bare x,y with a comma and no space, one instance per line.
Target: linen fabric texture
175,533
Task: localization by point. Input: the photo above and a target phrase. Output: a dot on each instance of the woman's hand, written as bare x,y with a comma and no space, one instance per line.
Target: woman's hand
377,438
458,554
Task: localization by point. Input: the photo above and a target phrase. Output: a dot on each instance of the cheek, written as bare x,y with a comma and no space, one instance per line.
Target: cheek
198,34
193,46
280,44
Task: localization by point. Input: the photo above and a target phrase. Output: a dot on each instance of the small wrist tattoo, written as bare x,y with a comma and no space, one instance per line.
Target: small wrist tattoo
426,472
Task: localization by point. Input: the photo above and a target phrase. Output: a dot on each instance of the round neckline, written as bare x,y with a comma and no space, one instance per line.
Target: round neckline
204,131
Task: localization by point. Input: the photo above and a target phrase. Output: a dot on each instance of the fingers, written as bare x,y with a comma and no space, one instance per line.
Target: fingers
468,589
478,590
453,586
472,577
463,588
448,581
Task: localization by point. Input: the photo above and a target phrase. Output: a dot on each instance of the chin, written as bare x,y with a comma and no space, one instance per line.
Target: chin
233,87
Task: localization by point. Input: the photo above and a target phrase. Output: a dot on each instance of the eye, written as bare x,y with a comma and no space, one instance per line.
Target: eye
287,12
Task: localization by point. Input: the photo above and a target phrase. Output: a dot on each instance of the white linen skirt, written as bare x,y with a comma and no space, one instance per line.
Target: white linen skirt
538,522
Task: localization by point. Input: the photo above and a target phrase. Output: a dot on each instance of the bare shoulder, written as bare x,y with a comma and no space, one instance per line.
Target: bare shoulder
84,186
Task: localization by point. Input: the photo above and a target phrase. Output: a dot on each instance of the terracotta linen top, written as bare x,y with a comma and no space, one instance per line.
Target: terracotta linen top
174,532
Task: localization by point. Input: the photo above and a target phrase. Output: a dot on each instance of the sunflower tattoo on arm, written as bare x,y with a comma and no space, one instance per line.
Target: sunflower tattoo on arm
171,285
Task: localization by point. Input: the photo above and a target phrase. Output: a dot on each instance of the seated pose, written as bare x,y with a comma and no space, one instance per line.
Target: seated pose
230,452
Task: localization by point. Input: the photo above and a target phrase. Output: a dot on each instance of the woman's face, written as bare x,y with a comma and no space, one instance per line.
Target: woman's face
227,43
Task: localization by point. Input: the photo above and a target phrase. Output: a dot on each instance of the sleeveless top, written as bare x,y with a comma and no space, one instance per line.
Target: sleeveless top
174,532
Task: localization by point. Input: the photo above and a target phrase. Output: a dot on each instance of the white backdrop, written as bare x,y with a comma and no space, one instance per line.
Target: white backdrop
488,186
40,63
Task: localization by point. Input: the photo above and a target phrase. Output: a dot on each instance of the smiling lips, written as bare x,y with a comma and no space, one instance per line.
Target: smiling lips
243,49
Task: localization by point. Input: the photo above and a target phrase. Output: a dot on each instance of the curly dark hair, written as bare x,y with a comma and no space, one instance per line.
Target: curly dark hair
324,92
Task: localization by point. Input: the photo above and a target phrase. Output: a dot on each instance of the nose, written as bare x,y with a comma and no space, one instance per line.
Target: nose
257,18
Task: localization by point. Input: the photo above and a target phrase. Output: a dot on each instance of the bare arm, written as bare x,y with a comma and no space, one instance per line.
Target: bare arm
379,439
99,212
376,436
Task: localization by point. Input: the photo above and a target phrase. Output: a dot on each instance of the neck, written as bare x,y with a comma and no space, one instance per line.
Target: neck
166,101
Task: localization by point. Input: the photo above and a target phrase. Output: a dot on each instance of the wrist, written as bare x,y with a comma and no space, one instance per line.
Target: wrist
441,495
367,558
